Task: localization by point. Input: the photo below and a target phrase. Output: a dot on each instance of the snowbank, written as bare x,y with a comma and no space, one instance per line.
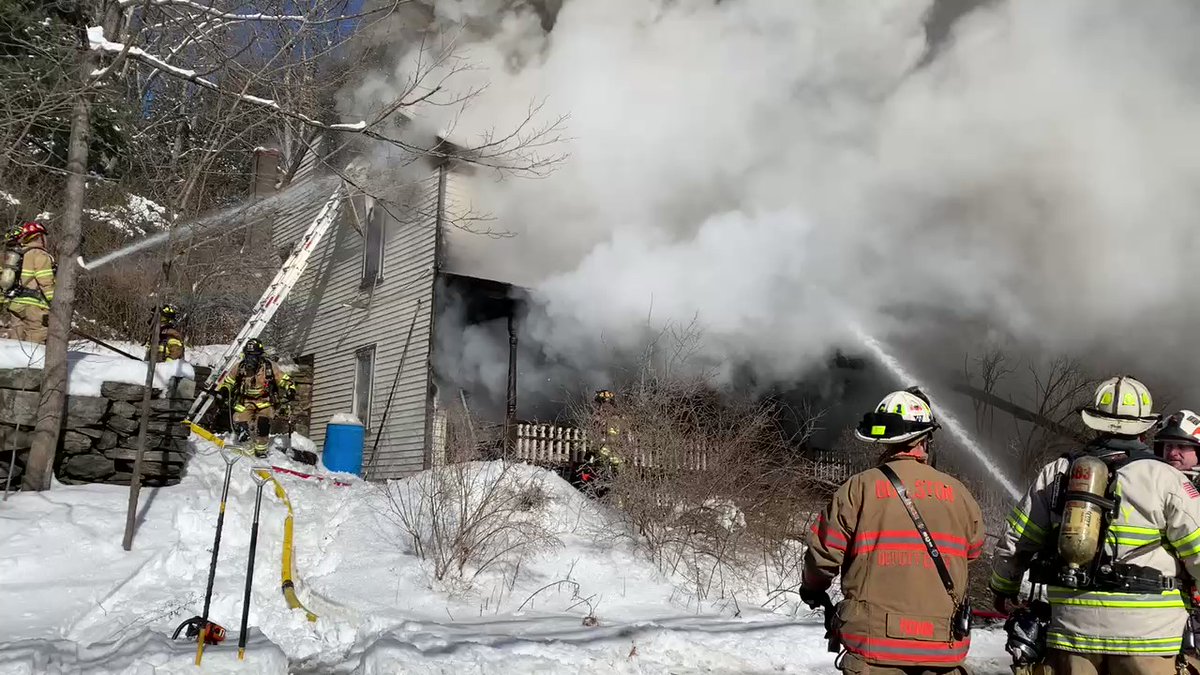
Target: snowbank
74,600
89,370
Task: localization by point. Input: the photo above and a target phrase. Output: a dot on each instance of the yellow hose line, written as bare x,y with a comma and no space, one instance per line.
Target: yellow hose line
288,586
204,433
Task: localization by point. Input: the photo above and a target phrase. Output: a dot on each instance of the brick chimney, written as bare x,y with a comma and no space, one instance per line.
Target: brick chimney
266,172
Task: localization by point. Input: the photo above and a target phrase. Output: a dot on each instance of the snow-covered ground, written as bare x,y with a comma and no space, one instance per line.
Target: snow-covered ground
91,367
207,356
74,601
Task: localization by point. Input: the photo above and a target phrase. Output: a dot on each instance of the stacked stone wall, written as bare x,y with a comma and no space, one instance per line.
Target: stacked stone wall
99,439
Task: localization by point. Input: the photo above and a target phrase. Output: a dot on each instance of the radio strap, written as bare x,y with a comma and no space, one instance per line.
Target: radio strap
922,529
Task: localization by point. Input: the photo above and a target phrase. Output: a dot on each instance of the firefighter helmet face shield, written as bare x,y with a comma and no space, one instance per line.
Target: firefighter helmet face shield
1121,406
901,417
254,347
886,427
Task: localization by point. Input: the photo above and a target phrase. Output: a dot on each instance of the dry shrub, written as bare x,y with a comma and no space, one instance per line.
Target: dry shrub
710,486
466,518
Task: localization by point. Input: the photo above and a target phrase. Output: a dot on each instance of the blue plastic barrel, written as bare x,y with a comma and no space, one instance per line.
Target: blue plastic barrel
343,449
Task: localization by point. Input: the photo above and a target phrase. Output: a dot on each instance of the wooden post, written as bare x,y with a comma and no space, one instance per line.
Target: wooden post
135,483
510,413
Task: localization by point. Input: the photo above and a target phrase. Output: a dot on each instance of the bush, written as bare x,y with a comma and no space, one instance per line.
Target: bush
709,485
466,518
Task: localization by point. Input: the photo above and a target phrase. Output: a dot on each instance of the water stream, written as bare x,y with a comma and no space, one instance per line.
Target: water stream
235,216
944,416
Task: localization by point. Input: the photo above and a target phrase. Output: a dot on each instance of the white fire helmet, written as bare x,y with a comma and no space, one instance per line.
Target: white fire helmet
1121,406
1182,428
901,417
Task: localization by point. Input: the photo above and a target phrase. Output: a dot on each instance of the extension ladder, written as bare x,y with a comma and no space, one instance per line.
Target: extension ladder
268,304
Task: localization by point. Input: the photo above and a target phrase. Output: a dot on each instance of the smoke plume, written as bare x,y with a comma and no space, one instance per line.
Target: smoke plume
770,170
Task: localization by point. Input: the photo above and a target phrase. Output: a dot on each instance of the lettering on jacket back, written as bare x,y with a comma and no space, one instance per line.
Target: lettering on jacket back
920,489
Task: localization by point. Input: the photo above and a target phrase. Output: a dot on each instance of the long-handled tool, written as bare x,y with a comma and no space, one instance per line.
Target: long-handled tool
199,626
260,476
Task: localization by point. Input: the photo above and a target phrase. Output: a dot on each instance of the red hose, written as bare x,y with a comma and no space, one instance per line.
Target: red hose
280,469
984,614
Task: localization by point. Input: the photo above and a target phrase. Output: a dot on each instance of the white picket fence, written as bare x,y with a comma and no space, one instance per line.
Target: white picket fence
551,444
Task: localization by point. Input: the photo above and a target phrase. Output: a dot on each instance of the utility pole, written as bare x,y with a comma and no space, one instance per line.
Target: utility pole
135,484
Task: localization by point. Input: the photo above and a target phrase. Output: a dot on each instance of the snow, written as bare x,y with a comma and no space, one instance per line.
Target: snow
97,41
137,217
218,14
75,601
206,356
9,199
345,418
88,371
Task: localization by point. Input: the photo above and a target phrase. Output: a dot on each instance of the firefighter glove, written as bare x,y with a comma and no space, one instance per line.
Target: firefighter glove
1003,604
813,597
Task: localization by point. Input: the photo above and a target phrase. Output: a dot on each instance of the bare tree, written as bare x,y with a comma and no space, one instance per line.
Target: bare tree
52,404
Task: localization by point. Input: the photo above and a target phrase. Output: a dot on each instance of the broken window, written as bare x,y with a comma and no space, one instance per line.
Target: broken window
364,383
372,269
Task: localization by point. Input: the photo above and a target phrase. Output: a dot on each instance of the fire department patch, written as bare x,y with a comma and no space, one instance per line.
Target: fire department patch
1191,490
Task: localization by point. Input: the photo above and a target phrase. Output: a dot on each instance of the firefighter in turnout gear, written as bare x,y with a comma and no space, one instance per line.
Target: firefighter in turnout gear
1177,443
27,279
606,457
1107,529
170,337
905,609
599,468
254,387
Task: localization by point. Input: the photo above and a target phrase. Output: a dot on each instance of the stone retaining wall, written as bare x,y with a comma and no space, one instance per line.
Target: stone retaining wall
99,440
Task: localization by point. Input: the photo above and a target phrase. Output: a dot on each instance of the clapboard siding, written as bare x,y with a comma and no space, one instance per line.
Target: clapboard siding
331,316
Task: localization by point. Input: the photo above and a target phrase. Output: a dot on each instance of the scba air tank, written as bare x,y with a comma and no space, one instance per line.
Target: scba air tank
10,269
1082,519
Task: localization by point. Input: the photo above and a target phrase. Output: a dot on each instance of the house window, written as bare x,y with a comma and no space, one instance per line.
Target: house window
372,268
364,383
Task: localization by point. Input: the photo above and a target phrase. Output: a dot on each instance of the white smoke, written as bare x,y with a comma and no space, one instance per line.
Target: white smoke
768,167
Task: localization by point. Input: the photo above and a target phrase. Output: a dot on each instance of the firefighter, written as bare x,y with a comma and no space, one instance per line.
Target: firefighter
607,457
254,387
899,616
598,469
170,337
27,279
1106,529
1176,442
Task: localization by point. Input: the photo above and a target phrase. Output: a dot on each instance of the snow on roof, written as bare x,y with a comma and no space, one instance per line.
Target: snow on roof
89,371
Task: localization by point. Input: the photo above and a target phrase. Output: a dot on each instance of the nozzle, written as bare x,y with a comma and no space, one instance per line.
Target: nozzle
82,263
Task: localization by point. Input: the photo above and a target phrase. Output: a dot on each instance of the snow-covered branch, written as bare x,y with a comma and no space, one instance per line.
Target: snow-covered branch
258,16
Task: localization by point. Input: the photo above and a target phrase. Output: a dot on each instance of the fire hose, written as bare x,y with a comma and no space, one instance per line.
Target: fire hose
287,572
